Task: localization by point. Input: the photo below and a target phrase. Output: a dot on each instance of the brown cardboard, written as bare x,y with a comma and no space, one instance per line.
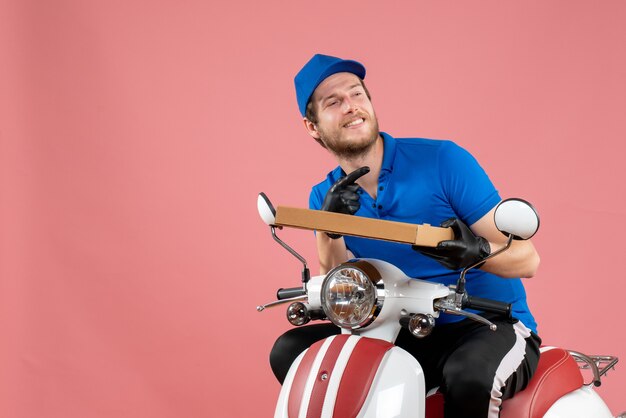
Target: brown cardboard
339,223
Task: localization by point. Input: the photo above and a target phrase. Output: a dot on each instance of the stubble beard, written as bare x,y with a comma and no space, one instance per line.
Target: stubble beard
350,150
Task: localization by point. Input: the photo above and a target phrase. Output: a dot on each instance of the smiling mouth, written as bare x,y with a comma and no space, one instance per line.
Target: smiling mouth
355,122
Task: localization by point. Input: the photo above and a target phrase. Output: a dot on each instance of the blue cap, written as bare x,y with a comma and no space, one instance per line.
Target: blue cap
317,70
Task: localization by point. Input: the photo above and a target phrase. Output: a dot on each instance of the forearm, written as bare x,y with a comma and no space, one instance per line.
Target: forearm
331,252
521,260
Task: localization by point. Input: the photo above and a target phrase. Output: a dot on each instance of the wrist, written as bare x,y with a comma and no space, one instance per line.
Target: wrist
484,247
484,250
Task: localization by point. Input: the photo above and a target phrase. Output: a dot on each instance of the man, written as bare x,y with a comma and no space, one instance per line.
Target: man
418,181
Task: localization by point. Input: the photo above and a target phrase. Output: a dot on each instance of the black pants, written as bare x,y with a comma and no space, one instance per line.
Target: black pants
475,368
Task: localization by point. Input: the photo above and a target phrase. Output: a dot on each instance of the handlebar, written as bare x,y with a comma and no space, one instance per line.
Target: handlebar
289,292
488,305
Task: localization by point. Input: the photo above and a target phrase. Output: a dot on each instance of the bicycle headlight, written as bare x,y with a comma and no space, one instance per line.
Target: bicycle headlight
349,296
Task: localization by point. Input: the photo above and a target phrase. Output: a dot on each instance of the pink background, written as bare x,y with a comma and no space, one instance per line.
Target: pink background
135,136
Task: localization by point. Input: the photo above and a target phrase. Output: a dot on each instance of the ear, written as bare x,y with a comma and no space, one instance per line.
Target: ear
311,128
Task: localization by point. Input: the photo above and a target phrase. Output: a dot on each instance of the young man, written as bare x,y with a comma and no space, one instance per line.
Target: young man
418,181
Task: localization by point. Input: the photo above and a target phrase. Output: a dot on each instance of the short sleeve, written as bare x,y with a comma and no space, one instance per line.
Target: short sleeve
315,200
465,184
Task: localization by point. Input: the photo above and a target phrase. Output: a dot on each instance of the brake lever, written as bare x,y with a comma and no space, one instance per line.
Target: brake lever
448,306
261,308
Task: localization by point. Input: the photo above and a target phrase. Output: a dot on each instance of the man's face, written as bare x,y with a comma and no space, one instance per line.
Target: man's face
346,122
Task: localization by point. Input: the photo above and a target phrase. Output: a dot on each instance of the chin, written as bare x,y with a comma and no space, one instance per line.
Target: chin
365,138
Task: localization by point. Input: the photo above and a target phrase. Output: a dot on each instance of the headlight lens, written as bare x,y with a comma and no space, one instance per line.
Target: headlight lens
349,297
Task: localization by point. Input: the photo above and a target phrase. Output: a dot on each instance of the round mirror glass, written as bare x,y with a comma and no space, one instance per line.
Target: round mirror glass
266,209
516,217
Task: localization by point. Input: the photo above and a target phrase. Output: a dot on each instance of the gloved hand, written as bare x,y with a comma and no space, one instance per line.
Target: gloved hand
464,250
342,197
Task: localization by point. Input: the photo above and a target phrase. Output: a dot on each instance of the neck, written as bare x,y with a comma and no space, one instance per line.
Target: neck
373,158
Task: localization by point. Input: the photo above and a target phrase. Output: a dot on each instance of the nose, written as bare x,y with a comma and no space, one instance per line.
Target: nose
349,105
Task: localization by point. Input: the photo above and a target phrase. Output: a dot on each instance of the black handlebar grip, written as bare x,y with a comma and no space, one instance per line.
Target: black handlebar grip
289,292
489,305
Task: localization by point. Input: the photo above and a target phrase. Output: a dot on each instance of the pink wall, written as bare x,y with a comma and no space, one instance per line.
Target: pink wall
135,135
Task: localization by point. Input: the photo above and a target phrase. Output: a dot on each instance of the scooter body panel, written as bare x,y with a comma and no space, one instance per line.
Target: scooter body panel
581,403
395,382
398,389
283,398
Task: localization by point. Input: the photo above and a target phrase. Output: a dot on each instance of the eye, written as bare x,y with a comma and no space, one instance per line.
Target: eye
357,93
334,102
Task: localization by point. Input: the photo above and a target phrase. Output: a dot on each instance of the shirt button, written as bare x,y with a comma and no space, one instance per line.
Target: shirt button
374,205
381,188
380,207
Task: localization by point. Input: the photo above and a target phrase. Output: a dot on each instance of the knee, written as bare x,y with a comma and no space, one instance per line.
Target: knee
468,389
293,342
283,353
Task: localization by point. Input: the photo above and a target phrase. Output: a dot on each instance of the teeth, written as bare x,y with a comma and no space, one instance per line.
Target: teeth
355,122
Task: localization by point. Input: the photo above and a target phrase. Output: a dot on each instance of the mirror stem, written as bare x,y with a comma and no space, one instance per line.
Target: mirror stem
306,274
460,286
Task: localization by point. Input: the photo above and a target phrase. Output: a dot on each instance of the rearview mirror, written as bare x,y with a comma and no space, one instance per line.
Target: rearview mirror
266,209
516,217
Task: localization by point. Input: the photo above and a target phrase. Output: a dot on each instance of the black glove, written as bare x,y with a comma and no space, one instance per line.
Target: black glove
464,250
342,197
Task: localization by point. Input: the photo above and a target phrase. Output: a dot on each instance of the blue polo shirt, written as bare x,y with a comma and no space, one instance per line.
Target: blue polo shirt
429,181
